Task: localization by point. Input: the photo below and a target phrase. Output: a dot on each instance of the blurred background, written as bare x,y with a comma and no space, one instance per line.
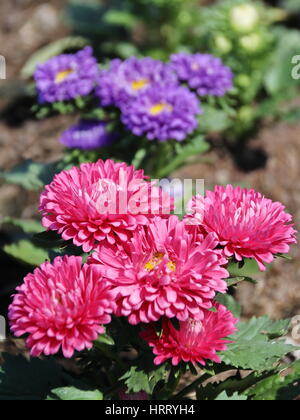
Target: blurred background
259,149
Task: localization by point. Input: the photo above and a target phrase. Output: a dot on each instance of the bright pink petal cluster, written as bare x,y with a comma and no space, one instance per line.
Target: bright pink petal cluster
165,270
246,224
101,202
196,341
63,305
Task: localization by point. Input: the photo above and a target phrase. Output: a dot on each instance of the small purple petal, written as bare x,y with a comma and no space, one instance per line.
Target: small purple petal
67,76
204,73
88,135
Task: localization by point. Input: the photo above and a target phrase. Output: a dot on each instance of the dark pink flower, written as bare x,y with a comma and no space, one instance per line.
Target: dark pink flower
164,271
246,224
101,202
63,305
196,341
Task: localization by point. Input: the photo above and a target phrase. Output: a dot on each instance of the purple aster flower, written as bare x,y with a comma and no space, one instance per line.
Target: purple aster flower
203,72
127,79
162,112
87,135
67,76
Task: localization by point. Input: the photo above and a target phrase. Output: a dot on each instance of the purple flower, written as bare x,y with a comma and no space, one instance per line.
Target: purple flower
67,76
127,79
87,135
163,113
203,72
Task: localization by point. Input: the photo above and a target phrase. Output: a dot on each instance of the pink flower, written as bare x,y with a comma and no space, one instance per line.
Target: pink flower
61,306
135,396
164,271
245,223
196,341
101,202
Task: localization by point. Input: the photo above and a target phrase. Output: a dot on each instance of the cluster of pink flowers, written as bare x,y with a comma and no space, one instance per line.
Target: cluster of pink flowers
146,265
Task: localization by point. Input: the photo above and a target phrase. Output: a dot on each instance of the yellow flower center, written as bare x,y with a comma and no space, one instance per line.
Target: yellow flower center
156,260
63,75
139,84
159,108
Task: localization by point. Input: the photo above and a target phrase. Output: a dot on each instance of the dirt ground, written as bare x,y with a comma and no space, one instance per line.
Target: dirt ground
27,25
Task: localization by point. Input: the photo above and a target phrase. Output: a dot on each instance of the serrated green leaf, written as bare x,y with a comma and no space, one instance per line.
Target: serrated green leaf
26,252
234,397
281,386
74,394
138,380
254,346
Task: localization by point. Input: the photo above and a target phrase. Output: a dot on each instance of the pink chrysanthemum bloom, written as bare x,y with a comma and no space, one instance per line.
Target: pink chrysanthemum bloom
246,224
61,306
164,271
103,201
135,396
196,341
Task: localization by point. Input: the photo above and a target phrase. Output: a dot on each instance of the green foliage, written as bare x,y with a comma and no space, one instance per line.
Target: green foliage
74,394
283,385
254,345
138,380
25,252
234,397
278,79
230,303
29,175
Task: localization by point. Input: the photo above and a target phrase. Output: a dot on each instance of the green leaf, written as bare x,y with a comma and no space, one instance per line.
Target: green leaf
26,252
193,147
120,18
138,380
247,269
234,397
254,346
30,380
28,226
230,303
29,175
213,120
106,339
282,386
74,394
279,78
138,158
55,48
